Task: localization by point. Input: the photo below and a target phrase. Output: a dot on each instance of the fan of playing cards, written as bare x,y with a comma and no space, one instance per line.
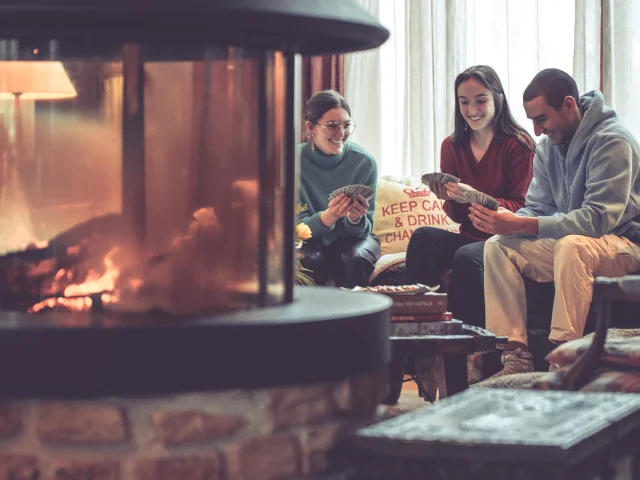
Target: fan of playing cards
352,191
474,196
438,177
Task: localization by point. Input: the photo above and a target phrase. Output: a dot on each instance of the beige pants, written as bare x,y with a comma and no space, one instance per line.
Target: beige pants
571,262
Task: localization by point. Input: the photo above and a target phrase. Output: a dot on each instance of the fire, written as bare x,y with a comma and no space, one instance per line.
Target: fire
77,296
78,304
96,283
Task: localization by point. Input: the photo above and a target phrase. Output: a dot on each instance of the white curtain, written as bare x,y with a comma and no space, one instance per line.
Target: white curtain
362,73
402,93
586,59
518,39
621,59
410,78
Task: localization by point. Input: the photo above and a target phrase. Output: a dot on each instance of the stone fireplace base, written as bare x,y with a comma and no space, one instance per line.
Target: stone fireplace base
254,395
236,434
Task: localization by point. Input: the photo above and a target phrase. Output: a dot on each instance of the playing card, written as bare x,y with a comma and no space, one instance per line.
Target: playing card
438,177
483,199
446,178
352,191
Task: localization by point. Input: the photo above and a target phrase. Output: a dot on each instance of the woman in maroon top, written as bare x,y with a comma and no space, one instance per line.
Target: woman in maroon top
490,153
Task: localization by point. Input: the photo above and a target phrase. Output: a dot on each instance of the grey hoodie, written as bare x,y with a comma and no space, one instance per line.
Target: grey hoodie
594,188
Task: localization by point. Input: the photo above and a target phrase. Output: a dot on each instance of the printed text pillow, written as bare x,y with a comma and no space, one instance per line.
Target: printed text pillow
401,209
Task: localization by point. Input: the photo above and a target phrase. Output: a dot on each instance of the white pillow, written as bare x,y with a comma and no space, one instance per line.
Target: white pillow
401,209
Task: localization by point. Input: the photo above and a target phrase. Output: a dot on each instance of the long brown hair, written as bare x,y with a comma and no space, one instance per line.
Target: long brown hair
503,123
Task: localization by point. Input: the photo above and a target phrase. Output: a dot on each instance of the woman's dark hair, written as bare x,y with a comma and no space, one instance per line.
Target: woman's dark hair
504,124
322,102
554,85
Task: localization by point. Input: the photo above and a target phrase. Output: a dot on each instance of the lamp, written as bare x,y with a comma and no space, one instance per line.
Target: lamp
34,80
25,80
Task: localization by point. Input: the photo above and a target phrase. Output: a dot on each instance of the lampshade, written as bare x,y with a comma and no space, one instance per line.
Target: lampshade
34,81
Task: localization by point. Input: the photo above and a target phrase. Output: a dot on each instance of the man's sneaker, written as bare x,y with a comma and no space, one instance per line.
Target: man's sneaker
516,361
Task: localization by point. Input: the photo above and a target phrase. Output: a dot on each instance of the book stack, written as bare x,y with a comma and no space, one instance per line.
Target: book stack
422,314
425,307
418,310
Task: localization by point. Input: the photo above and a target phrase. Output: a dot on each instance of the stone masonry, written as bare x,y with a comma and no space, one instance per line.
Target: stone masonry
266,434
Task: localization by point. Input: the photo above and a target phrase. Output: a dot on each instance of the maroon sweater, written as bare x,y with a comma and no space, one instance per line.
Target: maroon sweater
504,172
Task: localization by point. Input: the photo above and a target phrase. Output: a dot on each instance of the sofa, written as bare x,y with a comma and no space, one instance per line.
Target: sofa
402,205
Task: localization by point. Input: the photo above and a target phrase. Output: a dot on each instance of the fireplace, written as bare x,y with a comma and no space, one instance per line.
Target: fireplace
149,325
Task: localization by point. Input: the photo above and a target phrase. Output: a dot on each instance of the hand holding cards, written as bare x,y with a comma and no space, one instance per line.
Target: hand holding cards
483,199
458,191
351,201
436,182
438,177
352,191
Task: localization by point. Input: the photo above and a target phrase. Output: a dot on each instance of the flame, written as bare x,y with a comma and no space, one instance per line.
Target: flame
96,283
79,292
78,304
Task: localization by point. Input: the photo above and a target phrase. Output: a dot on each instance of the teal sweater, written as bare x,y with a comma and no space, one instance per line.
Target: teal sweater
593,188
320,175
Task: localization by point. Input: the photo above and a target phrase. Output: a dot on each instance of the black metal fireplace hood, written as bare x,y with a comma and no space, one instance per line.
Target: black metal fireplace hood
308,27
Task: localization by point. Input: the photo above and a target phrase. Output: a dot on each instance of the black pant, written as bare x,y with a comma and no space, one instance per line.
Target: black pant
348,261
433,251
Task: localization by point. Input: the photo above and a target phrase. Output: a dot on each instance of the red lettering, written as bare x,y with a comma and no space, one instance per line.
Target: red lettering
422,219
423,192
426,205
394,209
404,207
412,204
435,219
444,219
385,211
412,220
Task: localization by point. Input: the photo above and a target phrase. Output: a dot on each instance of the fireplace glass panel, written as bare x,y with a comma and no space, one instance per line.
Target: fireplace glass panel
142,183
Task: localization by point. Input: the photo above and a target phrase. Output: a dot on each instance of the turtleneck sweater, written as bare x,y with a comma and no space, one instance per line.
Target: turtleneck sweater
320,175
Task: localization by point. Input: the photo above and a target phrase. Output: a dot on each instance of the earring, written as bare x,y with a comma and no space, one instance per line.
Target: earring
313,146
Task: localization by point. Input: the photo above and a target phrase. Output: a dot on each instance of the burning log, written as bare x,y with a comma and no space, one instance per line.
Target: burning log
93,266
41,272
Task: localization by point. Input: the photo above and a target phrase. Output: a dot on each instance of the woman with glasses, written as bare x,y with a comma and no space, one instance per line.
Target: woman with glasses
490,153
342,249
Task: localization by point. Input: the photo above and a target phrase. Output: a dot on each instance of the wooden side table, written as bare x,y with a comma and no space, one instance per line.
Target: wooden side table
441,360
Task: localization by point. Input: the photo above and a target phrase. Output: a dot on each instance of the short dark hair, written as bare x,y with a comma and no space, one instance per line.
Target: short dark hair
322,102
554,85
504,124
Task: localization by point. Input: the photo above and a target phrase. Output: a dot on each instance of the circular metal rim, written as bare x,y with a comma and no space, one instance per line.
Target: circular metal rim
325,335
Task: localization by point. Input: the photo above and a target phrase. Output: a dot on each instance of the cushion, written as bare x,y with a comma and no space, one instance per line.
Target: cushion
401,208
622,347
614,381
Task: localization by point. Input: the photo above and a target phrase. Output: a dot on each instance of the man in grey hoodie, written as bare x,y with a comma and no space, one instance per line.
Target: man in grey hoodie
581,217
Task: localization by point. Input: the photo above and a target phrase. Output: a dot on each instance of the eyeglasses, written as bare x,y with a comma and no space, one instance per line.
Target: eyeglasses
333,127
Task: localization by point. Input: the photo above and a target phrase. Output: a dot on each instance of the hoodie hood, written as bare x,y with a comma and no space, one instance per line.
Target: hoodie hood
595,116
